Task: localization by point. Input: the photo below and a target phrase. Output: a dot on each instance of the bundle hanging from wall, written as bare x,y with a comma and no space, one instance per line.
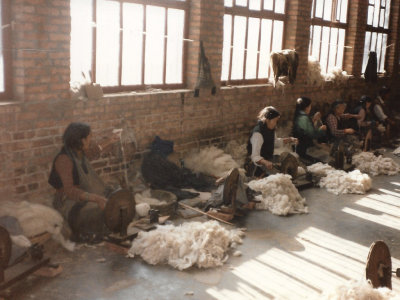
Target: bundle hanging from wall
284,63
204,77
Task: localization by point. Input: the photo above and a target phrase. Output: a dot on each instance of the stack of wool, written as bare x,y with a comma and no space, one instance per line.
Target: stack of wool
237,151
360,290
279,195
191,244
369,163
211,161
314,76
36,219
341,182
336,75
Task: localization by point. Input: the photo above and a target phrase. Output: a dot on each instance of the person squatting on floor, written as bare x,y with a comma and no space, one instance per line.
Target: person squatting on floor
81,194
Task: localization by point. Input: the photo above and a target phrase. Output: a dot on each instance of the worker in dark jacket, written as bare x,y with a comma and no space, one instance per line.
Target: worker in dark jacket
304,130
263,140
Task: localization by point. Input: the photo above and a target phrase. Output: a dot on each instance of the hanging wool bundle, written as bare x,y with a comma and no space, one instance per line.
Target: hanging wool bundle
341,182
359,290
237,151
211,161
369,163
191,244
279,195
36,219
320,169
314,76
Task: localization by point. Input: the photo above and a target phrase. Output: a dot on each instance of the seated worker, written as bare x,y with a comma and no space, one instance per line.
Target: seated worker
365,121
304,130
262,142
336,131
381,112
80,192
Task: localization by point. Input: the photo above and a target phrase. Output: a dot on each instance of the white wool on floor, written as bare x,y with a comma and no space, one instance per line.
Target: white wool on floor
145,197
396,151
320,169
36,219
237,151
204,245
210,161
279,195
341,182
369,163
358,290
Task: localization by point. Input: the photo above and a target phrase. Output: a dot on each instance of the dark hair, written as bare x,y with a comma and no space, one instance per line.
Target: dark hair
268,113
73,135
335,104
364,100
301,104
384,90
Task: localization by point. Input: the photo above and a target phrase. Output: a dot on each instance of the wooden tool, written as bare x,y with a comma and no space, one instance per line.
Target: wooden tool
206,214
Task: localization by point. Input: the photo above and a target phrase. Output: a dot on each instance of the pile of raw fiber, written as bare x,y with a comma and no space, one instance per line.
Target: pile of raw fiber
204,245
320,169
237,151
314,76
279,195
337,75
36,219
396,151
359,290
339,181
210,161
369,163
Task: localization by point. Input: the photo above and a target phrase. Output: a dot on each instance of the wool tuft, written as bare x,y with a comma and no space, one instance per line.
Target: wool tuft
36,219
142,209
339,181
204,245
375,165
359,290
336,75
237,151
397,151
314,76
211,161
145,197
279,195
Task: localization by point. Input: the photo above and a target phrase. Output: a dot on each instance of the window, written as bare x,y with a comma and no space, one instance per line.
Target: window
252,29
5,53
129,44
328,32
376,35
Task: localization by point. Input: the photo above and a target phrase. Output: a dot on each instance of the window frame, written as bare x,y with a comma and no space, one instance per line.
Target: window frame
7,53
244,11
319,21
377,30
174,4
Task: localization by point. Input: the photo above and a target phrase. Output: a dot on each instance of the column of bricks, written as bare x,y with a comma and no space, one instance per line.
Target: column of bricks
392,52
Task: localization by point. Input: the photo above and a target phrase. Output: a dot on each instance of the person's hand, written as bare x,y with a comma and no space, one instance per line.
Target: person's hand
267,164
116,135
294,140
323,127
317,116
349,131
100,200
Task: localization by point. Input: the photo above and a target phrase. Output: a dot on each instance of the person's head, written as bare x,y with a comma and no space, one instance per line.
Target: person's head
365,102
338,107
303,104
77,136
270,116
384,92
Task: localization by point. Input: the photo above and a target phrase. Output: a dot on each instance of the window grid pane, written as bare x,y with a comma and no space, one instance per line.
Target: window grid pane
135,44
248,41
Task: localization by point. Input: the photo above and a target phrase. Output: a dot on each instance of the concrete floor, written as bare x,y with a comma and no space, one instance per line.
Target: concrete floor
283,257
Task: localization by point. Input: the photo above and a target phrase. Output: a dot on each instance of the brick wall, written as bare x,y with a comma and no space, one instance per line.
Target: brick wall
32,125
